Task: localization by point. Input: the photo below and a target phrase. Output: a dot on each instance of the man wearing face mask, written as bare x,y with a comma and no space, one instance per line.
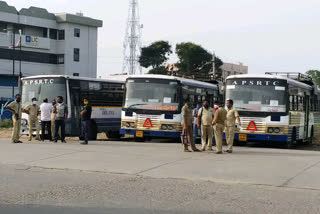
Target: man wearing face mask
61,111
15,108
205,117
33,111
232,116
85,120
216,106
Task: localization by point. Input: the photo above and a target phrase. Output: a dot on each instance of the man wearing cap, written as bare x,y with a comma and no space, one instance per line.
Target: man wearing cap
33,111
15,108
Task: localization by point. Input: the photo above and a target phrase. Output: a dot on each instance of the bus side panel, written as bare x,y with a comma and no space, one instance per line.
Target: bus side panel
296,122
316,124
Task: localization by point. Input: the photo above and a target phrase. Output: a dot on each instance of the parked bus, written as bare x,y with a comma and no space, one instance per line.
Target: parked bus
153,103
276,107
105,95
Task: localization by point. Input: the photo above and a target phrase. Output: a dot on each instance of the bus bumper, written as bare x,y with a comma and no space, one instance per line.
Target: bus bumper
262,138
149,133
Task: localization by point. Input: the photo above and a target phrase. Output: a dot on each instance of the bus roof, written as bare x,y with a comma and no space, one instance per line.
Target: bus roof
182,80
266,76
114,79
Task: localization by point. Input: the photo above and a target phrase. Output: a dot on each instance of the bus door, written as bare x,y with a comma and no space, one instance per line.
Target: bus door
75,109
306,117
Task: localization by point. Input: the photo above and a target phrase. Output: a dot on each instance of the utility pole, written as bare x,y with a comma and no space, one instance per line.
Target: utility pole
213,65
132,41
13,58
20,56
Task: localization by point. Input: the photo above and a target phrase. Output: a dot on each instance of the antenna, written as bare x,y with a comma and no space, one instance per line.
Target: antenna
132,41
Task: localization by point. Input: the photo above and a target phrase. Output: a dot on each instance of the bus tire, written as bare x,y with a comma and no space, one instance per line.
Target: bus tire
113,135
292,143
93,131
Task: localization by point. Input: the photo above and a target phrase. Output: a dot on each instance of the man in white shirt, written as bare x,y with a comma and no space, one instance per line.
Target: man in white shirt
46,110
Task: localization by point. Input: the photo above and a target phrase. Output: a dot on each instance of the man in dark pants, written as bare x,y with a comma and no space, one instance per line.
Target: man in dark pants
46,110
85,118
61,111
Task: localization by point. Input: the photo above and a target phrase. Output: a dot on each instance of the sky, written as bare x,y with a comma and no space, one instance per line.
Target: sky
266,35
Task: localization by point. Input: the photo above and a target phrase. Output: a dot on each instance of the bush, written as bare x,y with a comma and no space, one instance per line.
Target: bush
5,124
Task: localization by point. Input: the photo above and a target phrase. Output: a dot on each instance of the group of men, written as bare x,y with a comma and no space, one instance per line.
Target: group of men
210,121
53,118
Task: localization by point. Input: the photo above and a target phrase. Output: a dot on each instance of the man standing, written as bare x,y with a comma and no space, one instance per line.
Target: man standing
205,117
46,110
219,123
61,111
216,106
33,111
232,116
86,119
15,108
53,118
195,122
187,125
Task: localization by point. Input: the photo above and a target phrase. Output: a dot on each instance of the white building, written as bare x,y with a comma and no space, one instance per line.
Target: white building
229,69
51,44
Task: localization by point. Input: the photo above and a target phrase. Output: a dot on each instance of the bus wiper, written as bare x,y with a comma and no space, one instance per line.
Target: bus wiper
137,104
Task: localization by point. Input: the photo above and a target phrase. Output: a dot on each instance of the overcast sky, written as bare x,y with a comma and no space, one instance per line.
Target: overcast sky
266,35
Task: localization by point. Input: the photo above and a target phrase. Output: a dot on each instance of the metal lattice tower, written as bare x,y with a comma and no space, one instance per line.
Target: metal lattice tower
132,41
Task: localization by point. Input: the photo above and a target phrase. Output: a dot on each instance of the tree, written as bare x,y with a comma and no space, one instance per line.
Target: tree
315,75
155,55
193,58
159,70
217,66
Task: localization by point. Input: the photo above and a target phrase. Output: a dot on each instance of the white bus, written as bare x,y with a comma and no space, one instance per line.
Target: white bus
106,97
276,107
153,103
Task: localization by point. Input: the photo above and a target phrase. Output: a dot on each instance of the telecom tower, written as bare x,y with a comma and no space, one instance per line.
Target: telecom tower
132,41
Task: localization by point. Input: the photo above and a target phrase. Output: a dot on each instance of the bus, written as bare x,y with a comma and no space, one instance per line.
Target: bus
153,103
276,107
106,97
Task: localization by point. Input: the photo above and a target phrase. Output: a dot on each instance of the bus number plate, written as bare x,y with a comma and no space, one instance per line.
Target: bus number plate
139,134
242,137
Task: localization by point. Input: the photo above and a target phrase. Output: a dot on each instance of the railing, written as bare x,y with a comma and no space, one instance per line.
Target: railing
292,75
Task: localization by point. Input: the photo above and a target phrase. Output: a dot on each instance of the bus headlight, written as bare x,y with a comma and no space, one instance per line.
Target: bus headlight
270,130
276,130
164,127
170,127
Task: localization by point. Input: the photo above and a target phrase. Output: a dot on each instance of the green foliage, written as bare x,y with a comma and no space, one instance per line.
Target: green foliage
315,75
155,55
159,70
193,58
4,124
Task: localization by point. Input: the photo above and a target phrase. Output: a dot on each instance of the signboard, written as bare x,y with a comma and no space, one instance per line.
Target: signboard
256,82
43,81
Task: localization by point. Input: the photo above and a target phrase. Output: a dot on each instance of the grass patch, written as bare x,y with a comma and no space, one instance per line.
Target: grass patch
5,124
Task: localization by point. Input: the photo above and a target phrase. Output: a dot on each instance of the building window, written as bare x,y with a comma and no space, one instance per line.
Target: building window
75,74
53,34
76,32
60,34
60,58
76,54
45,32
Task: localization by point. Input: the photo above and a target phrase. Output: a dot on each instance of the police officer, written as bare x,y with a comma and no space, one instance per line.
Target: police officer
15,108
187,125
232,116
85,120
219,123
205,117
33,111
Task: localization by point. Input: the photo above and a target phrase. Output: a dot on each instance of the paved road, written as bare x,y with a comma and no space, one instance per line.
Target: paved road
120,177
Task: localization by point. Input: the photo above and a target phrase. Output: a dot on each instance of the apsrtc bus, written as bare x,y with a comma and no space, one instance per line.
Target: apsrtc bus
153,103
275,107
106,97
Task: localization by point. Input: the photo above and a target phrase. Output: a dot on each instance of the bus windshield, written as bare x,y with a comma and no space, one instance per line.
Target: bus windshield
43,88
261,97
152,94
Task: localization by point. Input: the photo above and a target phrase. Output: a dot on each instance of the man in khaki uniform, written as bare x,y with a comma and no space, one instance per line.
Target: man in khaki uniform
187,125
219,121
53,119
205,117
33,111
15,108
232,116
